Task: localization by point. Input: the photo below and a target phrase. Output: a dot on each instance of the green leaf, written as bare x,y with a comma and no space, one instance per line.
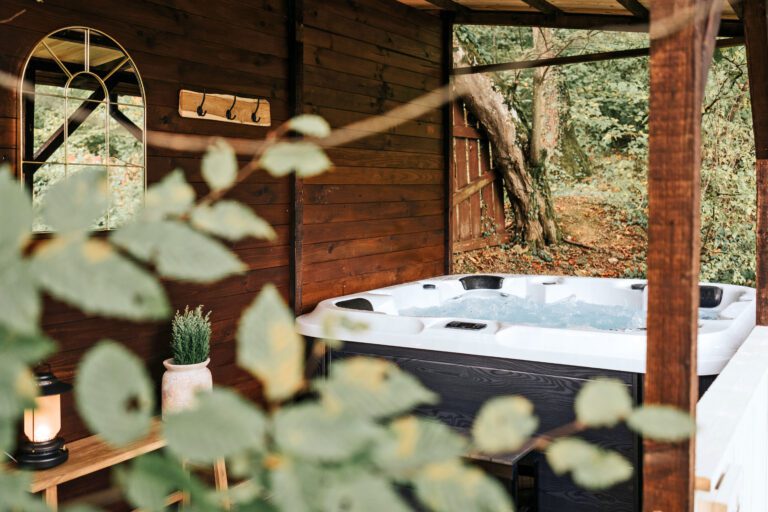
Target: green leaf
19,388
20,303
151,478
311,432
27,348
14,493
290,490
220,165
77,202
306,158
591,467
90,275
311,125
221,424
231,220
454,487
114,394
373,388
504,424
412,443
662,423
603,403
178,251
366,493
7,435
15,216
269,347
172,196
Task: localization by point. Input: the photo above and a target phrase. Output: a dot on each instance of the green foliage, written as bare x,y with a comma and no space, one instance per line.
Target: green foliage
342,444
504,424
221,424
114,394
232,221
590,466
78,202
661,422
220,166
269,347
91,275
178,251
373,388
603,403
312,125
306,158
191,336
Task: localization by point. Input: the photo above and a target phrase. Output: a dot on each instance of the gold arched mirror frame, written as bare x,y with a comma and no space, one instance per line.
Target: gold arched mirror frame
83,106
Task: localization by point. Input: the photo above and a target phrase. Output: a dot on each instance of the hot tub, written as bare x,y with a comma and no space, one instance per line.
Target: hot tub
470,338
413,315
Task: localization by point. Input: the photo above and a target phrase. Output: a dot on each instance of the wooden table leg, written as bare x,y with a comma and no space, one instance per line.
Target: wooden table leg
51,497
220,478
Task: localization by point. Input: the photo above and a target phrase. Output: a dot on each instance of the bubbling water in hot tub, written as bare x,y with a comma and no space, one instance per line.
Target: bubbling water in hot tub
566,313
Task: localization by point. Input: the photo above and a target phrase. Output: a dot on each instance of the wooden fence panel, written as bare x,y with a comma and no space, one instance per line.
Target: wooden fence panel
478,193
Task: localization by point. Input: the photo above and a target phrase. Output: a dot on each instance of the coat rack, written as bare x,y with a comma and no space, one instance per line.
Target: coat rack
228,108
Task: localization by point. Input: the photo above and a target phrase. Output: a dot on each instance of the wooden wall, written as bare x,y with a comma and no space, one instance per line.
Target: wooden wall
175,44
378,219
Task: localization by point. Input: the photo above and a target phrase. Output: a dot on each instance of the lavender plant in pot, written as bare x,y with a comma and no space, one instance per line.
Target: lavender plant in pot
187,371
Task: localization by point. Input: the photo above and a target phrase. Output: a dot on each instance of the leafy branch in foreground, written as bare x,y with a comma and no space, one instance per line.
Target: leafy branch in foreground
347,442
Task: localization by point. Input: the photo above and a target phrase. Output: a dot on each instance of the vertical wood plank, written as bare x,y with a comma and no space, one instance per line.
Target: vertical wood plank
678,67
51,497
295,11
756,35
448,113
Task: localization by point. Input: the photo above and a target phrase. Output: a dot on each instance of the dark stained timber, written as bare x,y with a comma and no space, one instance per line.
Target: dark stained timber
449,5
635,8
756,32
678,67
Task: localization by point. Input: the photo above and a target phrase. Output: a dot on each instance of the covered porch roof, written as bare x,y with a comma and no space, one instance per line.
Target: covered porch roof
622,15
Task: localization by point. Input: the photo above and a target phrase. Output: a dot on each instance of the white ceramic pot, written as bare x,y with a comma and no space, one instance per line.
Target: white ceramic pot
181,382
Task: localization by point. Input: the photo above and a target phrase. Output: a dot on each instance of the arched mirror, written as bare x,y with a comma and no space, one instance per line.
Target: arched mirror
83,107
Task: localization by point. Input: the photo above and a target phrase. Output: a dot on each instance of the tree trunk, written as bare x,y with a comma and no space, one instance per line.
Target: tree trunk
530,201
545,135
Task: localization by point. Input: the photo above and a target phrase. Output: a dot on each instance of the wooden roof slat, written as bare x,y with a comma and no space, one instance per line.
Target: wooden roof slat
635,8
544,6
449,5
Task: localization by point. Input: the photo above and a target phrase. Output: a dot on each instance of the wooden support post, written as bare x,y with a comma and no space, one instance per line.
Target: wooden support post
295,9
678,67
447,47
756,34
51,497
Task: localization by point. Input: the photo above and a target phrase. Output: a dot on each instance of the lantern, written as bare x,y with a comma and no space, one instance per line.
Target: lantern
42,447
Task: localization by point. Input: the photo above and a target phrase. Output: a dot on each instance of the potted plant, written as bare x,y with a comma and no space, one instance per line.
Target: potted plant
187,371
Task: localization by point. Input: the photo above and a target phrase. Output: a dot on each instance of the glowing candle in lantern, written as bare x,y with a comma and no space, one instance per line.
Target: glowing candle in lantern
43,449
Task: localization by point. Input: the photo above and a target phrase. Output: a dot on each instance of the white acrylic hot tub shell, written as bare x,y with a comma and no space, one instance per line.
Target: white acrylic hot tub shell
610,350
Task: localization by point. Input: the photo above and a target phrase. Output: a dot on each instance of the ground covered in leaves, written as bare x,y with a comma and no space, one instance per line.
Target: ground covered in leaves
598,241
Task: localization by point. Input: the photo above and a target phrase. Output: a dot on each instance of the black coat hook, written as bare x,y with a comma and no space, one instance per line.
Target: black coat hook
200,110
230,115
254,118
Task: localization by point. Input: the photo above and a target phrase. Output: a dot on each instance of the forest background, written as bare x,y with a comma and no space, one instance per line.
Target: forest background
583,134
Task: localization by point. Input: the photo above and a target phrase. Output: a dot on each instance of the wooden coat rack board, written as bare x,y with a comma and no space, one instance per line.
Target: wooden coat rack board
228,108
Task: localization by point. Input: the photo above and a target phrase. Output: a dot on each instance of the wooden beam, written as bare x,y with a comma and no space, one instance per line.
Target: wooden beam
544,6
447,71
635,8
450,5
756,32
295,9
608,22
678,69
738,7
576,59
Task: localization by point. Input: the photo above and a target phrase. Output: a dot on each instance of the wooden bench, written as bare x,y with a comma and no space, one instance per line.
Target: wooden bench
92,454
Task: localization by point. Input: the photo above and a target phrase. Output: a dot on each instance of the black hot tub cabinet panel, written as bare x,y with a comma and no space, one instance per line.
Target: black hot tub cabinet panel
466,382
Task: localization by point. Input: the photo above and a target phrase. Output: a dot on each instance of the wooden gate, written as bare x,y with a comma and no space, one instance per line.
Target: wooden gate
477,204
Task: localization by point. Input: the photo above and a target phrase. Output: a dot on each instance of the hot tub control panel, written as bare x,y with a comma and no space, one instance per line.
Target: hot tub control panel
468,326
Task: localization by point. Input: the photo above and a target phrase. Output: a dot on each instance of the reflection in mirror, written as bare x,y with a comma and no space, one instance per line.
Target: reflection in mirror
83,106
